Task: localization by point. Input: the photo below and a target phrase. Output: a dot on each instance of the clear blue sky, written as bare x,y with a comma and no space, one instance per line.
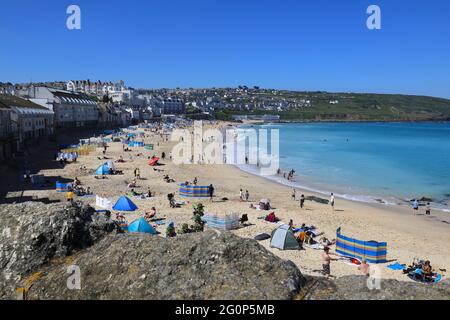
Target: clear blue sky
286,44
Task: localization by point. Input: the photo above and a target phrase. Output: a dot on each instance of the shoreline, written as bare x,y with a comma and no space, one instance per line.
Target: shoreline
442,204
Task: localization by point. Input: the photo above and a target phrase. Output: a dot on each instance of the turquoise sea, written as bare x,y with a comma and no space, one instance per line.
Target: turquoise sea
392,162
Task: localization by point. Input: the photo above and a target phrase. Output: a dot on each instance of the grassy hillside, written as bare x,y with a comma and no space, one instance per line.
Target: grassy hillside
359,107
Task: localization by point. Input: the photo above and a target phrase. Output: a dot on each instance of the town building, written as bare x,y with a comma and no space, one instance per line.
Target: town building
70,109
28,121
171,106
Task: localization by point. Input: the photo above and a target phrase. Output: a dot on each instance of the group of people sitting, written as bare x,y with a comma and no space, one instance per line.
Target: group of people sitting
167,179
261,206
421,270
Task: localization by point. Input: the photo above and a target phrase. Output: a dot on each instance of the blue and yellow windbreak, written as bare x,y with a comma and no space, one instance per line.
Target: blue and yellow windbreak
194,191
374,252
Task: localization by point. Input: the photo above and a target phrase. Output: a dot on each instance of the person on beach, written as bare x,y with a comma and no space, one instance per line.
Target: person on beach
326,261
247,195
364,268
170,231
294,194
428,209
332,202
241,195
302,201
211,192
416,205
195,181
70,196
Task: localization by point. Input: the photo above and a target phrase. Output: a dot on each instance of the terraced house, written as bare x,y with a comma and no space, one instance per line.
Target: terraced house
22,121
71,109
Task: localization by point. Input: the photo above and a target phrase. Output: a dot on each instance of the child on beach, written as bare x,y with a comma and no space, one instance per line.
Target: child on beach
428,209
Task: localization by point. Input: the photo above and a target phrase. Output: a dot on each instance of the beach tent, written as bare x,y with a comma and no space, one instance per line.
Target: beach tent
124,204
194,191
110,165
102,202
141,226
284,239
62,187
373,251
102,170
153,161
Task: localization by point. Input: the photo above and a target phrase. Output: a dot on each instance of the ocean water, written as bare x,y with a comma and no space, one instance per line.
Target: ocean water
392,162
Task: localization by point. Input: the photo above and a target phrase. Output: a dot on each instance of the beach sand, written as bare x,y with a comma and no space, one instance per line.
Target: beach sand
408,235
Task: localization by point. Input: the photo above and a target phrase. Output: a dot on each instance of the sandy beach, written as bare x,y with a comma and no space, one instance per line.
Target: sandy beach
408,235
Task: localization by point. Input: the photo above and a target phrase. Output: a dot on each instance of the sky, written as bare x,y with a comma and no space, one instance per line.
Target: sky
281,44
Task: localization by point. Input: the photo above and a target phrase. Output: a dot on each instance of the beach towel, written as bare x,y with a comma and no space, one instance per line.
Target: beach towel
315,246
417,276
396,266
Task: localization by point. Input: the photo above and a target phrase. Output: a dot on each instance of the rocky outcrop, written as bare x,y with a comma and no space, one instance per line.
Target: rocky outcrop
32,234
356,288
206,265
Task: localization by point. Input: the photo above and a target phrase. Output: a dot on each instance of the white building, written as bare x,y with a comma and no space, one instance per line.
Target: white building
28,120
117,91
70,109
171,106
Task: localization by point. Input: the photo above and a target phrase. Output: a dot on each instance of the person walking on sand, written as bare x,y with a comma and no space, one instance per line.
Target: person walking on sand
428,209
241,195
332,202
247,195
326,261
302,201
415,205
293,194
211,192
138,174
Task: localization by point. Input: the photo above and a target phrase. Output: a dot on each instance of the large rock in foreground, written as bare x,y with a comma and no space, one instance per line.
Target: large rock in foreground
356,288
32,234
196,266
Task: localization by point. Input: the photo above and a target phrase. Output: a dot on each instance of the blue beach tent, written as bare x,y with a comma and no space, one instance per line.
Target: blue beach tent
124,204
102,170
141,226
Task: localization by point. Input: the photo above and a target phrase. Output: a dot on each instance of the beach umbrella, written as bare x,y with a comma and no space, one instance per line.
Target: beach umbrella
154,161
